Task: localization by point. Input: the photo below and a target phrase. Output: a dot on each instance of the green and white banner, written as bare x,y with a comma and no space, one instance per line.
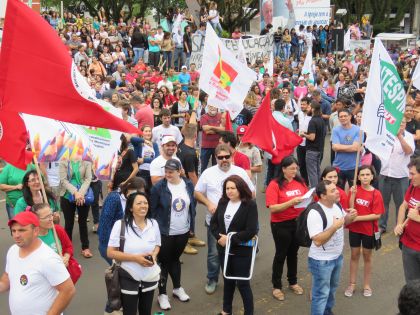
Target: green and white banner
384,105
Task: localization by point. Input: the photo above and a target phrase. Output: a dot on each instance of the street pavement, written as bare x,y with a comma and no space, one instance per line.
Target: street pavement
387,277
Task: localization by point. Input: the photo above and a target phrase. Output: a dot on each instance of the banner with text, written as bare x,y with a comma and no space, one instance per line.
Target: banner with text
256,48
360,44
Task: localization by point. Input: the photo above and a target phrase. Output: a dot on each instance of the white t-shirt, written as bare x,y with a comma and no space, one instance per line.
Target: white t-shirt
214,13
304,120
147,152
52,174
157,165
180,204
160,131
33,280
334,247
211,181
141,243
231,209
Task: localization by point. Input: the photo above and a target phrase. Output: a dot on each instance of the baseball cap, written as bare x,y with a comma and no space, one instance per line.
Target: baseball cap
301,78
241,130
184,67
24,218
168,139
173,164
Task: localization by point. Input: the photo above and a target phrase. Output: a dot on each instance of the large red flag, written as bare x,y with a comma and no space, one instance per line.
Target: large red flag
266,133
13,139
228,123
37,75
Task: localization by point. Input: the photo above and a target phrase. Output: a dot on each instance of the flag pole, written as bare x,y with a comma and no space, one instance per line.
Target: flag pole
356,169
45,199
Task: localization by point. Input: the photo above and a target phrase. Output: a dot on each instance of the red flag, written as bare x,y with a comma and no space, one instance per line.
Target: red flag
270,136
228,123
13,139
37,75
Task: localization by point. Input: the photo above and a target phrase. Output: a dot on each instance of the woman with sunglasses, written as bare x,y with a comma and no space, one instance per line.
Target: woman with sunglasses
283,194
46,234
139,273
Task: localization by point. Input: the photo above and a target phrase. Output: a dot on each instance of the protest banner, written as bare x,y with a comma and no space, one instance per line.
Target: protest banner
53,140
256,48
292,13
360,44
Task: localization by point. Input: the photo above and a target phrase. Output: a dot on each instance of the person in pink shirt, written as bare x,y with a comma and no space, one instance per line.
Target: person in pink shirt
194,74
144,113
301,90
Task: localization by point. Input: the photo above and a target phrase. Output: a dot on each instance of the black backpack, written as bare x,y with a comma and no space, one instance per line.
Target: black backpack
302,233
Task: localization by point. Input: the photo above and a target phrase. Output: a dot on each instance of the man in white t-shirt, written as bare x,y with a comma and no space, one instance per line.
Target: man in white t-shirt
166,129
208,191
168,151
38,281
325,258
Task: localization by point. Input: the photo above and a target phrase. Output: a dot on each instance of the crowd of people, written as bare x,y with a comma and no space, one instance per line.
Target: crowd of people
164,172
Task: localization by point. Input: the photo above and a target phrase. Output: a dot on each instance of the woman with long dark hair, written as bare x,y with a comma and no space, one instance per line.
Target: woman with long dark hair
282,196
128,164
236,212
139,273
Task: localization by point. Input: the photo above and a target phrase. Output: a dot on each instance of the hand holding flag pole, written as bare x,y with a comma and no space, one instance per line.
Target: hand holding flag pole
356,169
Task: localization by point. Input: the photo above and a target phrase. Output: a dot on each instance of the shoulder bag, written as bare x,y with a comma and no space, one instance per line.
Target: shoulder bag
89,197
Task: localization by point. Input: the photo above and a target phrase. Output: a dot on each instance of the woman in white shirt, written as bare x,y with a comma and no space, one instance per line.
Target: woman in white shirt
139,273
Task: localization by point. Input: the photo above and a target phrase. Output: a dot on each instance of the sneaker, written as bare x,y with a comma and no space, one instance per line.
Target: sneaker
210,287
164,302
193,241
189,250
181,295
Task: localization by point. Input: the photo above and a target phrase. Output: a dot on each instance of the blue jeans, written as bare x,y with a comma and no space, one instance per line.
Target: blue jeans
313,163
179,58
395,187
276,49
301,48
138,53
217,28
213,263
205,155
286,49
10,210
325,281
167,56
187,59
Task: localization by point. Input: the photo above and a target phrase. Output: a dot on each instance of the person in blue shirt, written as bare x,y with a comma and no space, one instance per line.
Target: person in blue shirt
184,78
345,143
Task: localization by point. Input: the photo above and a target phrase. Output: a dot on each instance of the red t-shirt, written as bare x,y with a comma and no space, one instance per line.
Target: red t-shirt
194,75
144,116
343,199
366,202
241,160
210,141
275,195
411,235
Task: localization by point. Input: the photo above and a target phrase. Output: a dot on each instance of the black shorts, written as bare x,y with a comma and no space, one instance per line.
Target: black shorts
357,239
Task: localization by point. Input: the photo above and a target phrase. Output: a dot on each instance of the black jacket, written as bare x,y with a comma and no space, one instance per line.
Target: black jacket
244,223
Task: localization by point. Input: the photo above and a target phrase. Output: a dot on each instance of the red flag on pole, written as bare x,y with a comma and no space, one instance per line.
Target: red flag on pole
228,123
13,139
38,77
266,133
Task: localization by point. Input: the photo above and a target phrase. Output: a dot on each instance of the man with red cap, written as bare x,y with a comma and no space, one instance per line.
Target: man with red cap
38,281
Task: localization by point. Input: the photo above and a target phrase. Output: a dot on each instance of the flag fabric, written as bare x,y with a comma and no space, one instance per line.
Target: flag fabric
307,65
270,136
32,52
416,76
384,103
13,139
347,39
228,123
224,78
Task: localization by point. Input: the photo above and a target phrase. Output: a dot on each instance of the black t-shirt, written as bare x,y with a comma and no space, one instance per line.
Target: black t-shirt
125,169
316,126
243,118
188,157
412,126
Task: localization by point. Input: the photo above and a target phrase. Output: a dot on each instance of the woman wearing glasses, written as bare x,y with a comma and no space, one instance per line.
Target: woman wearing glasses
283,194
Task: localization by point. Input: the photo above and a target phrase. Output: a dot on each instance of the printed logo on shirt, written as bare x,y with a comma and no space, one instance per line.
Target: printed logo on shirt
362,202
179,205
23,280
413,202
292,193
348,139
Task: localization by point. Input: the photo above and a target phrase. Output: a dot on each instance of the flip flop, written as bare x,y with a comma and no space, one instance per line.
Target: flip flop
296,288
87,253
278,294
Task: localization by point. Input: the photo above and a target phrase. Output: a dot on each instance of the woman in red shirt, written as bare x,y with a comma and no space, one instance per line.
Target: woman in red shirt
369,205
330,173
282,195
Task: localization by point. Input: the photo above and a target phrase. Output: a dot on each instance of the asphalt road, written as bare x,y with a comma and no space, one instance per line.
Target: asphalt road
387,278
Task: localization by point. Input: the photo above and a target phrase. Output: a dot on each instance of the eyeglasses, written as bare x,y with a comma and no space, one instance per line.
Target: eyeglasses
33,180
223,157
48,217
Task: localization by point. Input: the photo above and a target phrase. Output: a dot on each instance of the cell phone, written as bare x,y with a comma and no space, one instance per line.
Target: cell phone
149,258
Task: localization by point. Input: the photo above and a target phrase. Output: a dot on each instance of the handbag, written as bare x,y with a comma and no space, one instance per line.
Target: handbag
74,269
377,241
89,197
112,278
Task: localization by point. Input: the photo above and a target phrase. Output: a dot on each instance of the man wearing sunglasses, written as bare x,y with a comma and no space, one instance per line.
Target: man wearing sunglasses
208,191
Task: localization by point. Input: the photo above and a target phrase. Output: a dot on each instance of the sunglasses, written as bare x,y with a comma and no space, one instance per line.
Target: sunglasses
223,157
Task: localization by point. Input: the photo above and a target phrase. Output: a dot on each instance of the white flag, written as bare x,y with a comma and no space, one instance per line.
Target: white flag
416,76
223,77
307,65
384,103
347,39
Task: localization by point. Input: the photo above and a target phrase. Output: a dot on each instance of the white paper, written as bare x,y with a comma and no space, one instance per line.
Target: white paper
306,199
